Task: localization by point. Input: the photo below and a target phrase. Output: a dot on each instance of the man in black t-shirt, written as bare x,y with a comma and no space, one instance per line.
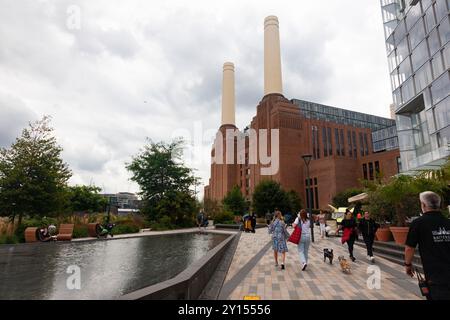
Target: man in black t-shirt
432,233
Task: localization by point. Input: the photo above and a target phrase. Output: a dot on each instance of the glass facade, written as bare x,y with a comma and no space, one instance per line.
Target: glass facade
385,139
317,111
418,50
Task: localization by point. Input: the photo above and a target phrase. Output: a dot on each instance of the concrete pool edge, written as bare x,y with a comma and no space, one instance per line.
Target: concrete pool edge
190,283
118,237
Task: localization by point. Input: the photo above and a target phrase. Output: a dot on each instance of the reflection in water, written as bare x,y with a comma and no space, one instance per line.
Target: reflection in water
109,269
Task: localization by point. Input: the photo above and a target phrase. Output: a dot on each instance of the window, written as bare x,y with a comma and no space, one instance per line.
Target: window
377,169
355,153
417,34
423,77
418,57
316,192
324,142
440,9
366,145
437,64
408,91
442,114
402,50
413,15
330,146
430,21
440,88
342,143
361,144
433,41
338,144
350,146
314,140
371,170
365,171
444,31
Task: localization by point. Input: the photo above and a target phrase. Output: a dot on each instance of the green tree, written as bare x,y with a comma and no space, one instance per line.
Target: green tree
341,198
234,202
33,176
86,198
165,182
212,207
294,201
269,195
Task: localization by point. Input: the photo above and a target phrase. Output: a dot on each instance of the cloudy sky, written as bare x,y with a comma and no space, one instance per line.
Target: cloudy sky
121,71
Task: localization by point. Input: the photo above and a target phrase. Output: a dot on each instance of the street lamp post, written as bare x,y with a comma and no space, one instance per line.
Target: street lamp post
307,159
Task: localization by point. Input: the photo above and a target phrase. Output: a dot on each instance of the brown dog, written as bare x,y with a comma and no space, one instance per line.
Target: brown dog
345,266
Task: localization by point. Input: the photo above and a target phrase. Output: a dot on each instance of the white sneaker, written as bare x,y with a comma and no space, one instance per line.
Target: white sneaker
368,258
372,259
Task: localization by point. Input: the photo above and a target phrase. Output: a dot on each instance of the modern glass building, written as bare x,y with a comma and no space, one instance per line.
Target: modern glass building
418,49
311,110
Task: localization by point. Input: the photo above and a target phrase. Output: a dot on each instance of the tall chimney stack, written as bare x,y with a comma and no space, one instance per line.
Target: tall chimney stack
228,96
272,57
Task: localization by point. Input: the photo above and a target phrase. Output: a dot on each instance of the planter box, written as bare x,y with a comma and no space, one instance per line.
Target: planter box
384,234
400,234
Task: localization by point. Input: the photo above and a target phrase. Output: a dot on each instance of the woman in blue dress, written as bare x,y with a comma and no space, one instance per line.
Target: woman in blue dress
279,236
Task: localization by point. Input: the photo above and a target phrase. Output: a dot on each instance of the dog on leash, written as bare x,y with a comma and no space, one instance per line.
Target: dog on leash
328,254
345,265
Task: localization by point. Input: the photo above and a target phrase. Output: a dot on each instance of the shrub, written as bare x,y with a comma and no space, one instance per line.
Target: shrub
80,231
125,228
8,239
163,224
225,217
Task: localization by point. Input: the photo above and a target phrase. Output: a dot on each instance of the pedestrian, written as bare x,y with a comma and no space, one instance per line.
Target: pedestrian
253,223
304,223
200,220
322,224
349,232
268,218
279,237
368,227
431,232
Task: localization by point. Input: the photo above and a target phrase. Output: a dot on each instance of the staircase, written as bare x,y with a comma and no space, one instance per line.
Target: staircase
392,252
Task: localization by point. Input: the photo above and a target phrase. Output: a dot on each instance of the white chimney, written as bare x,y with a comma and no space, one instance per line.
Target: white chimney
272,58
228,95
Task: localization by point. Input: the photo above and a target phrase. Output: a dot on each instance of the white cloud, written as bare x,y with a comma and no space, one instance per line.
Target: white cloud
140,69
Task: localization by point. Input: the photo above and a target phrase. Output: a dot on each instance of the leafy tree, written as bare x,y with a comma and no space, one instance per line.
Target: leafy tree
86,198
212,207
164,180
294,201
341,198
33,176
269,195
234,202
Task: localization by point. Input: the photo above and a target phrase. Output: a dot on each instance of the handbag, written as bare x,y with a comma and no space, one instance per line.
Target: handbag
296,235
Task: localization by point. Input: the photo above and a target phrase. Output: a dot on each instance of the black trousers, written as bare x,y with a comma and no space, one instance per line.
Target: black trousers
368,240
350,244
439,292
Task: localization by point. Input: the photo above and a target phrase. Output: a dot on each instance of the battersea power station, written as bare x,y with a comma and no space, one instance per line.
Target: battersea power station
345,147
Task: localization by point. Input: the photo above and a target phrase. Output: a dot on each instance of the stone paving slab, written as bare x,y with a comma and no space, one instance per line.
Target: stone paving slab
252,272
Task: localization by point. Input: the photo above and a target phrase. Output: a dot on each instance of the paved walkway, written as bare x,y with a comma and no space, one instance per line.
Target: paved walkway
252,272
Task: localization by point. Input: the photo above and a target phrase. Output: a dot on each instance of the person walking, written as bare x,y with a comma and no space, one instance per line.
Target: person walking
200,220
431,232
279,237
253,223
349,232
303,222
368,227
322,224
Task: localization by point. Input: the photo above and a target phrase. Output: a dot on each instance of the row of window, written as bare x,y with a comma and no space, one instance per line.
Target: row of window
312,193
371,170
340,142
